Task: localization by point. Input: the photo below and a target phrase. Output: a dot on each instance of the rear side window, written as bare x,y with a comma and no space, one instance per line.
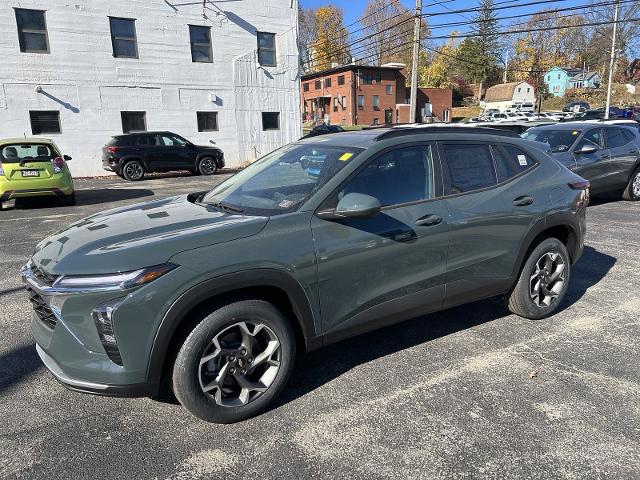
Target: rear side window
147,140
628,136
614,137
470,167
511,161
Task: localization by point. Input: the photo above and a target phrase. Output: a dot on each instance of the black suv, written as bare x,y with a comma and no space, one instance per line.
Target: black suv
131,155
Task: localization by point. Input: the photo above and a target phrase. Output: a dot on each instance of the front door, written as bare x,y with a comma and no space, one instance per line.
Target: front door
388,116
593,166
174,152
378,270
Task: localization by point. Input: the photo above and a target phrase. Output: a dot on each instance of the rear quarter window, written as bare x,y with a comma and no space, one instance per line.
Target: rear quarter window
511,161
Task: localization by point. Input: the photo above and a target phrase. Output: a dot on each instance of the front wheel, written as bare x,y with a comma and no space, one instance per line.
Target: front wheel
234,362
632,191
543,281
207,166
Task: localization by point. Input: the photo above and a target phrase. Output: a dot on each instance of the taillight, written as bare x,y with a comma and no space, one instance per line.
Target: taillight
111,149
581,185
58,163
1,170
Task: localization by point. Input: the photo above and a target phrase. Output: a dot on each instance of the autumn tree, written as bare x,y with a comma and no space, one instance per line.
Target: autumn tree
306,35
325,38
437,68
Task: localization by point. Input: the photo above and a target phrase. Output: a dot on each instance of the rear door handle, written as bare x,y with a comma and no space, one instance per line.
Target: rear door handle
428,220
523,201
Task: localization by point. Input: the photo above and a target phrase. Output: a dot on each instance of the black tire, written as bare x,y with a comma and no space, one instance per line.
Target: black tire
69,200
207,166
520,300
186,379
632,190
133,170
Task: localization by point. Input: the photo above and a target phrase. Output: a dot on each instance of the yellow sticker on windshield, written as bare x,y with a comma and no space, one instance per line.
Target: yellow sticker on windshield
345,156
575,132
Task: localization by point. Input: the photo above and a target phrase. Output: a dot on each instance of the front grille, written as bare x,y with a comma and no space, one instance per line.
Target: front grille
43,277
41,308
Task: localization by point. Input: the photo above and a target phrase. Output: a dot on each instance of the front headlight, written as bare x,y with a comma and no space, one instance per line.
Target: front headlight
122,281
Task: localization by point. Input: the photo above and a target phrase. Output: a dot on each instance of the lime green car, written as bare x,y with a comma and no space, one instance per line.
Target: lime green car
34,167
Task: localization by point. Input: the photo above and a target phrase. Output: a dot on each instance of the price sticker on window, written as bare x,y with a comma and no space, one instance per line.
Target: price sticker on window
522,160
345,156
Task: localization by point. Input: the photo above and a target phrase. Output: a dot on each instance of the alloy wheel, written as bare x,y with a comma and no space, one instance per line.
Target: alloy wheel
635,186
208,166
548,279
240,363
133,171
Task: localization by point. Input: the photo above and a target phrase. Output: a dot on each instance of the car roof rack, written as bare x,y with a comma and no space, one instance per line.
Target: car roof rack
399,132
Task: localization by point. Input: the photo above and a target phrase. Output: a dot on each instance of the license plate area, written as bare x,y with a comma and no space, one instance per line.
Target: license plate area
30,173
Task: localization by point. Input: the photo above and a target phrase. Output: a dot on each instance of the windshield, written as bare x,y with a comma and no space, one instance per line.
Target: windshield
27,152
558,140
281,181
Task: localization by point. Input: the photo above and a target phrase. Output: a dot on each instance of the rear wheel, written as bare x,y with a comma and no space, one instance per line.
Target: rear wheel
543,281
632,191
207,166
133,170
234,362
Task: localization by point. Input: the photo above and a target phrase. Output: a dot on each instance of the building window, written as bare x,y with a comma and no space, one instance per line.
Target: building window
376,102
305,87
344,103
270,121
133,122
365,78
267,49
360,102
327,82
378,78
123,37
389,89
207,121
200,38
558,76
336,103
318,84
519,89
47,121
341,80
376,121
32,31
528,89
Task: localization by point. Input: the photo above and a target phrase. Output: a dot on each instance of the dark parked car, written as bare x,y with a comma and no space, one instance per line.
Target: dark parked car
134,154
606,155
323,130
570,107
212,293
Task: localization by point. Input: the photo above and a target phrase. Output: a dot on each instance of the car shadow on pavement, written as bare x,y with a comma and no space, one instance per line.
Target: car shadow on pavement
18,364
87,197
604,198
322,366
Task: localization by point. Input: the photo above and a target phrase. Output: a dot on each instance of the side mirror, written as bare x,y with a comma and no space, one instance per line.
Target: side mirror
66,157
212,142
586,149
353,205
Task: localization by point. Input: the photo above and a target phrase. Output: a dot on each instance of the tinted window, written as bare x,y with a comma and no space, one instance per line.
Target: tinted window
510,161
592,137
171,141
133,122
400,176
470,167
44,122
558,140
628,135
207,121
267,49
614,137
32,31
270,121
147,140
123,37
200,38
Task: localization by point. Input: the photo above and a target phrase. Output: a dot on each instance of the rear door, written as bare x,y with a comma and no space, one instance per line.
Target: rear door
493,200
595,166
624,155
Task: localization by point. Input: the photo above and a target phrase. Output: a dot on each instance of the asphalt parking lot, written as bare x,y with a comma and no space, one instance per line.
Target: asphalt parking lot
471,392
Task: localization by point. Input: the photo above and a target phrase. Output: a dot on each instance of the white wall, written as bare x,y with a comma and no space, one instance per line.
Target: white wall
82,79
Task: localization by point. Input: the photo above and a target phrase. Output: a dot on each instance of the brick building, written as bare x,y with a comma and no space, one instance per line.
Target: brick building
366,95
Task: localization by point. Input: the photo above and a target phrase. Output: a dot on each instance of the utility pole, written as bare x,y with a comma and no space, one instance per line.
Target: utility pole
506,67
611,60
414,61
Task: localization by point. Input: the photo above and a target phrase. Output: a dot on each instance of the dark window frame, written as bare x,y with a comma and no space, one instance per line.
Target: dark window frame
201,124
277,114
40,131
115,38
360,107
267,49
208,45
317,84
327,82
305,87
22,30
374,100
124,113
340,79
388,89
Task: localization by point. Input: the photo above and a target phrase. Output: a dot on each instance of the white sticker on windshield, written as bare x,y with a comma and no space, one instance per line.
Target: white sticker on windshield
522,160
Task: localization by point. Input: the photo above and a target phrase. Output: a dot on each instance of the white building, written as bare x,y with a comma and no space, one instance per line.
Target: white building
508,95
82,71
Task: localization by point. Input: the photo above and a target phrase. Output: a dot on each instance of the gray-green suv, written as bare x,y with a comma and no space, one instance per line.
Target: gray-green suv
213,293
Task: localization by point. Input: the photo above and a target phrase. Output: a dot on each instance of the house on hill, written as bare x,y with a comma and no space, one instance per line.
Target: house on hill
506,95
561,79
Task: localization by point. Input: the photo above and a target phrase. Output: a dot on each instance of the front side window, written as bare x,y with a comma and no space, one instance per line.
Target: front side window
208,121
133,122
123,37
400,176
267,49
593,137
469,167
172,141
200,38
270,121
32,31
614,137
283,180
45,122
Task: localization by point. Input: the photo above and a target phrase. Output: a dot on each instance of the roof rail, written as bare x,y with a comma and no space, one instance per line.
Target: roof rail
399,132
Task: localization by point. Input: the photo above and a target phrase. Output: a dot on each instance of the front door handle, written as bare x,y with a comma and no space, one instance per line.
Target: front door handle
428,220
523,201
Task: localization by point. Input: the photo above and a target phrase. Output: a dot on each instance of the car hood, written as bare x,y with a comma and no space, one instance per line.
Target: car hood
139,236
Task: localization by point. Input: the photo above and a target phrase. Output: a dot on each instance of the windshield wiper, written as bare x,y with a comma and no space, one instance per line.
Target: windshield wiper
222,206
